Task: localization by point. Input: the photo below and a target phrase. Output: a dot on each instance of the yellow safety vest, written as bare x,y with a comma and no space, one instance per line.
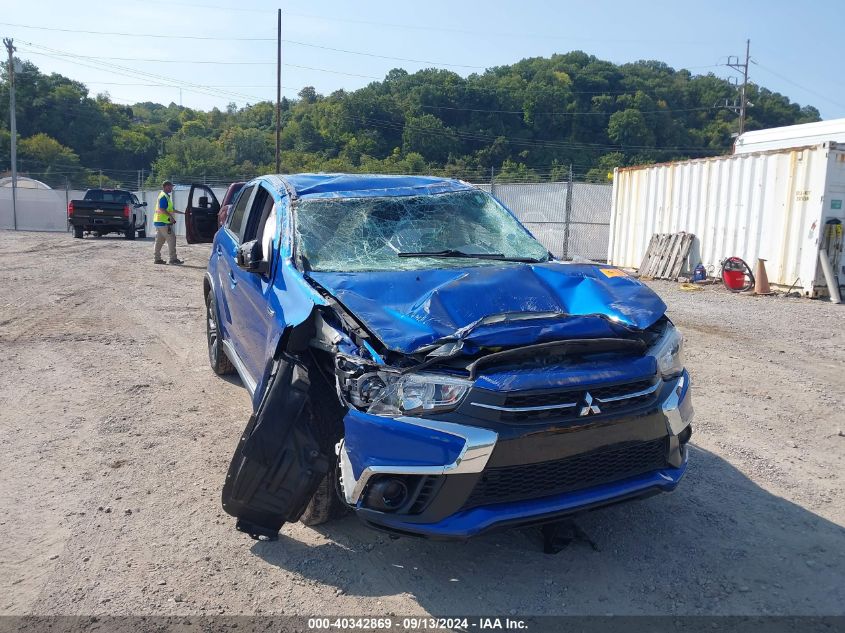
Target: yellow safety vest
161,216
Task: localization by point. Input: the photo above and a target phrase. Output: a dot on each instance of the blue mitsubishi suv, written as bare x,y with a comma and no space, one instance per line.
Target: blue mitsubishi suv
415,356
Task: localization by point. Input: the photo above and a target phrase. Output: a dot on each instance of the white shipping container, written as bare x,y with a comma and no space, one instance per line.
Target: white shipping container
789,136
769,205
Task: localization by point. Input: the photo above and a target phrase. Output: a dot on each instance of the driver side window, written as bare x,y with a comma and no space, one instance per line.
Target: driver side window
236,217
260,224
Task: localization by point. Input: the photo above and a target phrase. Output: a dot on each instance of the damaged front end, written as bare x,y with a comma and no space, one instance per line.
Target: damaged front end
448,398
412,441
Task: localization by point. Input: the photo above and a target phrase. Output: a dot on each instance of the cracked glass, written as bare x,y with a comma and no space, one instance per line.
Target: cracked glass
368,234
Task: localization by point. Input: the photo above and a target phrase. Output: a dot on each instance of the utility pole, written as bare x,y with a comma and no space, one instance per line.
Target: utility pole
278,90
733,62
14,129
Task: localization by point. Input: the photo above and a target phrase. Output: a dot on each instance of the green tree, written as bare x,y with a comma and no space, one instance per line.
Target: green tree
429,137
527,120
48,160
629,128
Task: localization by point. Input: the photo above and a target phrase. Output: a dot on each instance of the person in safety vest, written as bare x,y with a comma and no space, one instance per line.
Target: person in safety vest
164,221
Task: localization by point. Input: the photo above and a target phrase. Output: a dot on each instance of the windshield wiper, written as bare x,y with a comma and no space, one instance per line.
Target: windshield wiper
449,252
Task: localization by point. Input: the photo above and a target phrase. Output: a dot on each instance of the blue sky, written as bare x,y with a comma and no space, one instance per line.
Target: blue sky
797,45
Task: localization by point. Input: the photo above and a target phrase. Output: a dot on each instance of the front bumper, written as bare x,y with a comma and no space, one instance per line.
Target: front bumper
472,522
448,459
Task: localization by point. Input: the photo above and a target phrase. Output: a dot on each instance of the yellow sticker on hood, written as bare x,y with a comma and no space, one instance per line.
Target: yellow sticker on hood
613,272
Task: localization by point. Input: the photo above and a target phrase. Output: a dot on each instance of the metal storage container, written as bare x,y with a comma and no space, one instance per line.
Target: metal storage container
789,136
771,205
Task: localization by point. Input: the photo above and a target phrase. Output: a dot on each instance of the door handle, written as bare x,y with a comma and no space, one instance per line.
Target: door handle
232,279
271,311
219,250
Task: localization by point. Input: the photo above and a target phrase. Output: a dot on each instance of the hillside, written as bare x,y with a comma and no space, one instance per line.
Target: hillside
526,121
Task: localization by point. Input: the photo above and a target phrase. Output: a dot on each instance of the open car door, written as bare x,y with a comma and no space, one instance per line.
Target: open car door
279,462
201,215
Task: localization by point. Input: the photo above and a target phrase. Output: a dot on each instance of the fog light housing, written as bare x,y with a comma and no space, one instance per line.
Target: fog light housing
386,494
685,435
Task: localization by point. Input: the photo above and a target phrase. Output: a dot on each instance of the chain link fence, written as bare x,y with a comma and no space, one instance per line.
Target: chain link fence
572,220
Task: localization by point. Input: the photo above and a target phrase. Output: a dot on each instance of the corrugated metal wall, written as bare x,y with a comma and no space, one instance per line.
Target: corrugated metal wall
764,205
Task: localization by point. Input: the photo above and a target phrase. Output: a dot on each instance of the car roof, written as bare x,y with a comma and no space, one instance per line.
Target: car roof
362,185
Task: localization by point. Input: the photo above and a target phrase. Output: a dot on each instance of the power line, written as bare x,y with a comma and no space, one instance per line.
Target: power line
255,39
176,61
335,72
797,85
522,112
131,72
401,59
118,83
156,35
239,39
491,111
183,61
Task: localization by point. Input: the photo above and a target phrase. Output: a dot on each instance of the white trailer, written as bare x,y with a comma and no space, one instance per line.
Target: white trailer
789,136
772,205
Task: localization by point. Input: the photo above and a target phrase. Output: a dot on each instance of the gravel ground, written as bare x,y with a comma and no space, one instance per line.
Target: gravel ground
116,435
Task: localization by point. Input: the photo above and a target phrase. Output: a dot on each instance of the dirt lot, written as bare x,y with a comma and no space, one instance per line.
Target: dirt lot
115,437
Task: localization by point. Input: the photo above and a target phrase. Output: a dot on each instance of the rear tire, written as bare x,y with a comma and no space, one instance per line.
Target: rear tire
142,233
77,232
129,234
220,363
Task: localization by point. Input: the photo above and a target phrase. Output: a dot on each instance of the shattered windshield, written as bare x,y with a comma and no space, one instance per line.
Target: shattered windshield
410,233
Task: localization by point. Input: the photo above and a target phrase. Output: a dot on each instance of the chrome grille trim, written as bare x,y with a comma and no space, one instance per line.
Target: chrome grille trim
628,396
569,405
549,407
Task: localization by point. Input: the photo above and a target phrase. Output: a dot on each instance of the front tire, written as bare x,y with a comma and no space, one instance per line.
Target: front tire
325,505
220,363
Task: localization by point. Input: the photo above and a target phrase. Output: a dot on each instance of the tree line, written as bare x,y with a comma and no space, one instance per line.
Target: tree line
526,121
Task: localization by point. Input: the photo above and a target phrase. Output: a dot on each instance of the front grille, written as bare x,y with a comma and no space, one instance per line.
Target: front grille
565,404
544,479
557,396
620,391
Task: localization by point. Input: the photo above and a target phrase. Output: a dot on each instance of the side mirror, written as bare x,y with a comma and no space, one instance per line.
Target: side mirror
251,258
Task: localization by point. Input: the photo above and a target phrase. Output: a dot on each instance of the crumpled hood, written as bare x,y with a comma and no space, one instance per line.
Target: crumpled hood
408,310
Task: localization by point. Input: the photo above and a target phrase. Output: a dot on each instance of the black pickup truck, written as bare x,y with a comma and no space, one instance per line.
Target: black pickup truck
104,211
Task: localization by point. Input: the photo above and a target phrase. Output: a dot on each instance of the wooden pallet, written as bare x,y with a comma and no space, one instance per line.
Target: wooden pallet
666,254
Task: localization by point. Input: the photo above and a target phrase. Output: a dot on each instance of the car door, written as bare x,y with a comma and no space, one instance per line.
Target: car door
201,215
226,251
253,308
140,212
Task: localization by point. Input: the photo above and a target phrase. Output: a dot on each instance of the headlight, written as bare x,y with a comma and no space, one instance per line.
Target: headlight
387,392
669,353
414,394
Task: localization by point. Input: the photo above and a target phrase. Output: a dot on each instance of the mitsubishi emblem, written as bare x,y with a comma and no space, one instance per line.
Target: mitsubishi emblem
589,408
